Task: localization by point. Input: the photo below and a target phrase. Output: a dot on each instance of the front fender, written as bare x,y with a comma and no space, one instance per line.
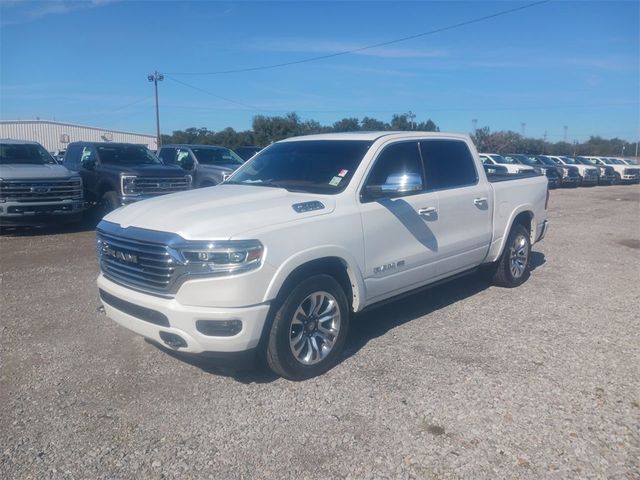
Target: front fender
317,253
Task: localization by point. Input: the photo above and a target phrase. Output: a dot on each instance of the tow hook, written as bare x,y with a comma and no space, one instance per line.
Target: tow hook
100,310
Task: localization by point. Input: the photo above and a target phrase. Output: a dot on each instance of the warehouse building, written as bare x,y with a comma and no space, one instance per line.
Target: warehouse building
55,136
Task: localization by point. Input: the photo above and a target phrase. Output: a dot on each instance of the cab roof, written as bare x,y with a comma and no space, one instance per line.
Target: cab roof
373,136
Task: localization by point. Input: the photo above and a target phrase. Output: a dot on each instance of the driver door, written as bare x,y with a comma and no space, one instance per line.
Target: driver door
400,246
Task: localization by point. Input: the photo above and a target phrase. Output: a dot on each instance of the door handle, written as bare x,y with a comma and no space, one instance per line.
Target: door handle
427,211
480,201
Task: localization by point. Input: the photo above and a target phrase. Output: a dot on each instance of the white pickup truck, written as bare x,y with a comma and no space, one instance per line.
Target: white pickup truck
309,231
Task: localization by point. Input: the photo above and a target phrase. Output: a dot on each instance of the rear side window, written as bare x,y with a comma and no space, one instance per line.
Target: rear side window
448,164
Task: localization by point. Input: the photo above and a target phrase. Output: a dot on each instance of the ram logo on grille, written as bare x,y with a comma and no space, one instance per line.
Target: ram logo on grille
107,251
40,189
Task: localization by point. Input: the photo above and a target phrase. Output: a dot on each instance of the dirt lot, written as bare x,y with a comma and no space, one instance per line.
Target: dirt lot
463,381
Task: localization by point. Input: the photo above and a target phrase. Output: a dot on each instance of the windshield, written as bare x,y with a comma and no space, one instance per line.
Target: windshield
318,166
25,154
216,156
126,155
586,161
546,160
517,158
613,161
569,160
503,160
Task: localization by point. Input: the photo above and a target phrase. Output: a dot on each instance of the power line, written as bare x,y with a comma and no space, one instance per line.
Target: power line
193,87
368,47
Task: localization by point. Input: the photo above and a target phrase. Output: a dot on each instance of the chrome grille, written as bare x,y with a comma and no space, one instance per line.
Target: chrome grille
160,185
573,172
630,171
41,191
136,263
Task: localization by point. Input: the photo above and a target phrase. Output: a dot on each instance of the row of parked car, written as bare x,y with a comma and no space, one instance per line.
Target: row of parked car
35,188
564,171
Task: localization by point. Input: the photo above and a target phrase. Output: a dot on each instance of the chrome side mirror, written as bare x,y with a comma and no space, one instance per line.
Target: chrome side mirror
397,184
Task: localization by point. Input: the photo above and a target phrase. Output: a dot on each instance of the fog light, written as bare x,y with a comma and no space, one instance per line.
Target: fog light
219,328
172,340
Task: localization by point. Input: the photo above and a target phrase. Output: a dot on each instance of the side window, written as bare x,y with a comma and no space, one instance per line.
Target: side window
395,160
88,155
486,160
448,164
72,158
181,156
168,155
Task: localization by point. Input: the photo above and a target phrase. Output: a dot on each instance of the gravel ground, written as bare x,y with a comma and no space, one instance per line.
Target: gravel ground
462,381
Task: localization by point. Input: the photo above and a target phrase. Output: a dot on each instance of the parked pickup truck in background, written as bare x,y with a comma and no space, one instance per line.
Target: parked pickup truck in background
623,173
116,174
550,170
606,173
208,164
510,165
588,175
34,189
307,232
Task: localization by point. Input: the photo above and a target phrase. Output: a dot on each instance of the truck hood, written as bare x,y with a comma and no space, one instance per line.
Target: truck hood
17,171
142,170
218,213
226,167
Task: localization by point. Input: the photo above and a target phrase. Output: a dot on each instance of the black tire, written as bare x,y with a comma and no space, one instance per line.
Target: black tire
280,356
617,179
504,275
108,203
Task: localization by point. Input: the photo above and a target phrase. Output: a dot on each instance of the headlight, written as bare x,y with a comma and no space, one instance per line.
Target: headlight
227,256
2,199
543,170
565,172
129,184
189,180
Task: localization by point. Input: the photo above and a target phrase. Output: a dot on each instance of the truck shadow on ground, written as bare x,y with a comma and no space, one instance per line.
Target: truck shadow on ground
369,324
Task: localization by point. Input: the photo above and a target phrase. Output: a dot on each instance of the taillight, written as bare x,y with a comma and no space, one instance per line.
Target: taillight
546,200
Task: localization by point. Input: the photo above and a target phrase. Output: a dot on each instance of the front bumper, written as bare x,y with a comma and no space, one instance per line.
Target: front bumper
181,320
38,213
606,179
570,181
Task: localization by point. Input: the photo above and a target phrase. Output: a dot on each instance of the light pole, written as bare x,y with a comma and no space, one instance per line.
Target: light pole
474,122
523,125
156,77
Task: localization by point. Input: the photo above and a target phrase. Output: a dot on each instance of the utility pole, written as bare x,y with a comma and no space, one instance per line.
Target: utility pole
523,125
156,77
474,122
566,129
411,116
623,147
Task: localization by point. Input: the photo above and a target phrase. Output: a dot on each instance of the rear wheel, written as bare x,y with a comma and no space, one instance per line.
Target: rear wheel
309,329
513,267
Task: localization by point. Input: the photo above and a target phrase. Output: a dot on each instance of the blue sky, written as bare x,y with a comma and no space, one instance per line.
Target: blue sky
555,64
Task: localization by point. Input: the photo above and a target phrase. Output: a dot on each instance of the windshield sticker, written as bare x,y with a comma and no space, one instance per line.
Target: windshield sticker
343,172
335,181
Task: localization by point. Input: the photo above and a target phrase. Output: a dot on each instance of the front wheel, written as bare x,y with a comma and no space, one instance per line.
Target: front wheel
309,329
513,267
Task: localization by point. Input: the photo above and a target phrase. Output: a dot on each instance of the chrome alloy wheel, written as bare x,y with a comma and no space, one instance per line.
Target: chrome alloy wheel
518,256
314,328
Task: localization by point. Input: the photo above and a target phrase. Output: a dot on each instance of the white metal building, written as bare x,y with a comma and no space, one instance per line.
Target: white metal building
56,135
